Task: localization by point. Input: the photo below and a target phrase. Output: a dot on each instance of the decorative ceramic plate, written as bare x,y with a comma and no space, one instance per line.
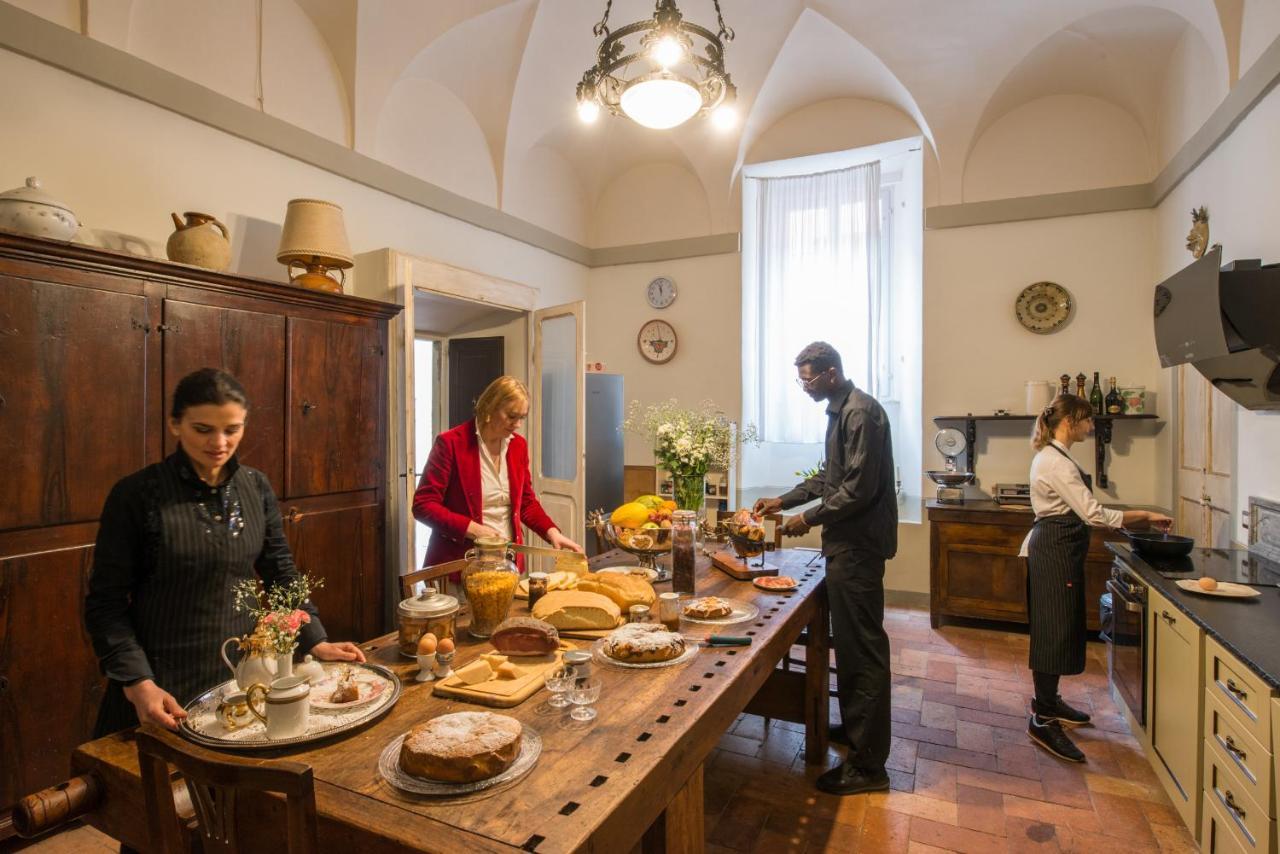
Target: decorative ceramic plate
389,767
370,687
1229,589
1043,307
649,575
203,726
742,611
598,653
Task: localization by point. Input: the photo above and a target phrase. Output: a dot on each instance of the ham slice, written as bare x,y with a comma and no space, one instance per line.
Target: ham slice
525,636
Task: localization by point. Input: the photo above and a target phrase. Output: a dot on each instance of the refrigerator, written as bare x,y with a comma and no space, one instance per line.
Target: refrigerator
604,447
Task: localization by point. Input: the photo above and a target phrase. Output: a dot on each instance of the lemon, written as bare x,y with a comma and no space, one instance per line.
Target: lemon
652,502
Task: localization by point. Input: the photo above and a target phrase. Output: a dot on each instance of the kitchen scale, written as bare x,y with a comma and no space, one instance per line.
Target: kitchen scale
951,444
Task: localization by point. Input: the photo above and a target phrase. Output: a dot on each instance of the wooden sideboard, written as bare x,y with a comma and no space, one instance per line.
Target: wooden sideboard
91,346
974,568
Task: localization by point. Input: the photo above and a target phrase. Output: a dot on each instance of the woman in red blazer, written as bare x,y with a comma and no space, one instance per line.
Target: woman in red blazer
477,481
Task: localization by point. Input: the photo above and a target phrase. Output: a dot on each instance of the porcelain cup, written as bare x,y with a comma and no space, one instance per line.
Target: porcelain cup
284,707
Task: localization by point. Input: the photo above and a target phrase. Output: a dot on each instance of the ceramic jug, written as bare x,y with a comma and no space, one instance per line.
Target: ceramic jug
252,668
195,242
284,707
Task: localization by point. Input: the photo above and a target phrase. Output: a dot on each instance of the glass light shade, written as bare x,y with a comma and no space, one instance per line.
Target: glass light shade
725,117
661,102
588,111
667,52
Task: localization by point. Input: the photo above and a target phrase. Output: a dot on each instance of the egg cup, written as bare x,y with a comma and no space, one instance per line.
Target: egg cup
425,664
442,669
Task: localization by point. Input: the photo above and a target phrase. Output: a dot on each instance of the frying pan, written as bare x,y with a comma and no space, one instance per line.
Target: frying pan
1157,544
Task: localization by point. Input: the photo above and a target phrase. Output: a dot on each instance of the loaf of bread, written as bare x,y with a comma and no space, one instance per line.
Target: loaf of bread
625,590
576,609
524,636
463,747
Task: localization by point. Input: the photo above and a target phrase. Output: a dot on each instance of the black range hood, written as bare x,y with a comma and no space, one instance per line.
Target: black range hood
1224,321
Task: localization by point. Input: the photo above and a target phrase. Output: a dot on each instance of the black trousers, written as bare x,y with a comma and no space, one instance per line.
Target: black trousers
855,589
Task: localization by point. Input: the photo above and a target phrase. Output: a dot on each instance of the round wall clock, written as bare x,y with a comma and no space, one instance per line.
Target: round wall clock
1043,307
661,292
657,341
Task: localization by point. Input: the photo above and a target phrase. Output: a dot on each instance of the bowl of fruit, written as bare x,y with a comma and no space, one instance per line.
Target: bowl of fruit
642,527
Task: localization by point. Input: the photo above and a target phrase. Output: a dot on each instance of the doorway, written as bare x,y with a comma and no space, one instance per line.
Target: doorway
473,364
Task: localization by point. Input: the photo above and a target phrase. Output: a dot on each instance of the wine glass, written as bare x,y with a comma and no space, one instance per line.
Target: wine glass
583,694
559,681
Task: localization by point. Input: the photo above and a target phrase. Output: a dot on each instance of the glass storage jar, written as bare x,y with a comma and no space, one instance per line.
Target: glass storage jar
431,612
684,551
489,582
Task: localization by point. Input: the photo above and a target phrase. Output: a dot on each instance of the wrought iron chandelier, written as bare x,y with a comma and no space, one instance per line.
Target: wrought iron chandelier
659,80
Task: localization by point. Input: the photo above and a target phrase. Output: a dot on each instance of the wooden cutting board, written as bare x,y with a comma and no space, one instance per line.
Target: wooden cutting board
735,567
504,693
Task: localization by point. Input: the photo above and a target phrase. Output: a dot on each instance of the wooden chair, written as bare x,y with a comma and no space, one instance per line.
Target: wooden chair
775,518
429,573
215,781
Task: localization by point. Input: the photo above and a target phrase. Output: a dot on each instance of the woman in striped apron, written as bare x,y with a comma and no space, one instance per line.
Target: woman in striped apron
1055,549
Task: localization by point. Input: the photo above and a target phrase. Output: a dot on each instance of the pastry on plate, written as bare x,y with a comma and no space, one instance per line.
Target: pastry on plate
464,747
708,608
347,690
636,643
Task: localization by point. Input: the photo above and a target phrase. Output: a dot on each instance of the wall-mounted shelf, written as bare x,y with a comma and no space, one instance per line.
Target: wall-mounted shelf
1102,425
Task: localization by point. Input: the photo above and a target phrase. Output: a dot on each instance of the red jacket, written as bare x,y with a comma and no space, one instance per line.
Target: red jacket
448,497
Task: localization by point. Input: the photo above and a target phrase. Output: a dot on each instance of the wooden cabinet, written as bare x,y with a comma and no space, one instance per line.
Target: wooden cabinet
91,345
975,571
1175,656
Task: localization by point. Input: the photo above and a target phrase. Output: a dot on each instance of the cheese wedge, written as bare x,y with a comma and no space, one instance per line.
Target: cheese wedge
495,659
475,672
507,670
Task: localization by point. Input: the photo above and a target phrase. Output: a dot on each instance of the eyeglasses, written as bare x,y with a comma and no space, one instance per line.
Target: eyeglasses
808,384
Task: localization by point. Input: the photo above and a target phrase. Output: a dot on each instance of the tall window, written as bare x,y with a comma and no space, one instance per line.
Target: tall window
831,251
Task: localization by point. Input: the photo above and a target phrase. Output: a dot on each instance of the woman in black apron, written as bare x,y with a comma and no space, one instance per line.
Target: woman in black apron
1062,498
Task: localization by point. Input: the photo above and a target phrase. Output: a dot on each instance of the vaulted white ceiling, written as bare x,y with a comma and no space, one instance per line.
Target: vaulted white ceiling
477,96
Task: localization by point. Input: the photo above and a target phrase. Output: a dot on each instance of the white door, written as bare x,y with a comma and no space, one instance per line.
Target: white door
1206,460
557,419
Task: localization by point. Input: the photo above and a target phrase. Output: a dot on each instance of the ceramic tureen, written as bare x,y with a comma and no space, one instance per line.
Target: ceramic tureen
30,210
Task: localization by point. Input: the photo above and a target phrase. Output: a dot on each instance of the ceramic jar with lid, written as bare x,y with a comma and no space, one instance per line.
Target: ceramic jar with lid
489,581
431,612
30,210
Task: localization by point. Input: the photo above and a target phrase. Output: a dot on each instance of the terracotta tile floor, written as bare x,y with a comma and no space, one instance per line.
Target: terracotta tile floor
964,776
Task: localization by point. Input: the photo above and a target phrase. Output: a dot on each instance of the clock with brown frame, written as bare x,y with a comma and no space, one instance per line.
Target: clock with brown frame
657,342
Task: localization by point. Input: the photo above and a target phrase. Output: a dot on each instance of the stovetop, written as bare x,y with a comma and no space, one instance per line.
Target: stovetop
1238,565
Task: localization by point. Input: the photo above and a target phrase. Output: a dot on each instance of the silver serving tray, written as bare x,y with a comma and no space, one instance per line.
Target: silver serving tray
202,726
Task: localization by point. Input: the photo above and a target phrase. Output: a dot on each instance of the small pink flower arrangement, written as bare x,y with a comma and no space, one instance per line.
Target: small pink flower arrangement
278,611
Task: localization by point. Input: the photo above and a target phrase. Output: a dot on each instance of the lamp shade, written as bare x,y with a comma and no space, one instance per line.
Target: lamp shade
314,229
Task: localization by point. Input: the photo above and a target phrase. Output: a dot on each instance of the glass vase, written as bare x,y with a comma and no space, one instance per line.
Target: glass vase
689,491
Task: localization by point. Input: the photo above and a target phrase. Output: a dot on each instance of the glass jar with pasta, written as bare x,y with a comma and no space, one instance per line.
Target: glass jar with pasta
489,582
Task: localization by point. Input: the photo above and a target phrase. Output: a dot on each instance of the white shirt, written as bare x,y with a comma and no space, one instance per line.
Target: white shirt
1058,489
495,488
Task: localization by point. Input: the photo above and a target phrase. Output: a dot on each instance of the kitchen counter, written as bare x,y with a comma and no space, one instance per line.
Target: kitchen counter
1248,628
986,505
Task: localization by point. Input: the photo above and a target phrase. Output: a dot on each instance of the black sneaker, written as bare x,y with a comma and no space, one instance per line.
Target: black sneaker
1060,712
837,735
1049,735
844,779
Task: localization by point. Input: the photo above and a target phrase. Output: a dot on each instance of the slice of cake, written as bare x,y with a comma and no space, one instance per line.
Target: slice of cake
464,747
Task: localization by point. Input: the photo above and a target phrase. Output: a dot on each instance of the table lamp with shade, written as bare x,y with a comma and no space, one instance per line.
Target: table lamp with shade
314,237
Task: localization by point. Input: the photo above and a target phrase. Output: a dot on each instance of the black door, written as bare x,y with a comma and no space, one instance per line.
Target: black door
473,364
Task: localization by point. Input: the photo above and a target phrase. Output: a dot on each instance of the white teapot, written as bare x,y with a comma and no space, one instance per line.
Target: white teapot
253,668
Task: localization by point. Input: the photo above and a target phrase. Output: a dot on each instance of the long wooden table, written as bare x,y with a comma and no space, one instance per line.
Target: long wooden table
633,775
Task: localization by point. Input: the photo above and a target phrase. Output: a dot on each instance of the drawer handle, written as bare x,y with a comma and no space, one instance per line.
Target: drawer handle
1164,615
1230,744
1237,690
1230,803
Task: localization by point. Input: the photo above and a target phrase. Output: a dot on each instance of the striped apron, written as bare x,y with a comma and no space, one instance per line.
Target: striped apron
1055,591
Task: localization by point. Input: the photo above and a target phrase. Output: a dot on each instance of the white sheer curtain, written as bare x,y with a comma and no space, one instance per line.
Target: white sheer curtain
811,271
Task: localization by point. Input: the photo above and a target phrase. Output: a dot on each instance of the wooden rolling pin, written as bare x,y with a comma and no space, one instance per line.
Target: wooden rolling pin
57,805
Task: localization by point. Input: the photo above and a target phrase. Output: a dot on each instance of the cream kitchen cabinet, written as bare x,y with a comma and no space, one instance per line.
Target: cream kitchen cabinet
1177,706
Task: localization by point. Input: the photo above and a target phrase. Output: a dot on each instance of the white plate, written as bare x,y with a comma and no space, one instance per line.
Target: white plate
389,767
1228,589
598,653
649,575
369,686
742,611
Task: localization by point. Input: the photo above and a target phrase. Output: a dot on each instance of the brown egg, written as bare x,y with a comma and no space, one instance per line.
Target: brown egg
1207,583
446,645
427,644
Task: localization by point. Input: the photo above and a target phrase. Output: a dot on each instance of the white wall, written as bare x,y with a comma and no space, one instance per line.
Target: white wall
1238,183
122,165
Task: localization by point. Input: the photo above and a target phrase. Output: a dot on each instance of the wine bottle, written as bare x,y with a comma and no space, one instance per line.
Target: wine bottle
1095,395
1080,378
1115,403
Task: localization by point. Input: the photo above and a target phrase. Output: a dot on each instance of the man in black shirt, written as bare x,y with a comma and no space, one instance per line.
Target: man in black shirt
858,511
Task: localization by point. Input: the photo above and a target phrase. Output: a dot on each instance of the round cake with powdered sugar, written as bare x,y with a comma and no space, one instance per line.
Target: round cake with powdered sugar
643,642
464,747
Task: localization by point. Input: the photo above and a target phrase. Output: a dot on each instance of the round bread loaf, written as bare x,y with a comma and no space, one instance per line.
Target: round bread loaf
463,747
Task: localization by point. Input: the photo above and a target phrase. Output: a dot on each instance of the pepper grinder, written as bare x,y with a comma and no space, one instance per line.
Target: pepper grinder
1065,381
1080,378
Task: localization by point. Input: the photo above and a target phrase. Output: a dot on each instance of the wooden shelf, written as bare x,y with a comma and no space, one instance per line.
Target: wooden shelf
1102,436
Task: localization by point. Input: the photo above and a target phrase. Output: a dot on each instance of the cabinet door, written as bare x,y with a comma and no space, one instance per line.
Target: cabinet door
983,581
73,398
50,688
1177,704
336,375
340,539
248,344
